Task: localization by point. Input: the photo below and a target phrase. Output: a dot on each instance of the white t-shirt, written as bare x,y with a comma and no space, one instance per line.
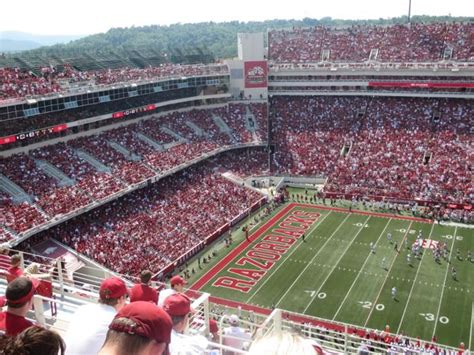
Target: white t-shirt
163,294
88,328
182,344
236,337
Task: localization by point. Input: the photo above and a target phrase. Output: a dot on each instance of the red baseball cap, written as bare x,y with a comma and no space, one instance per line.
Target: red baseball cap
152,322
112,287
177,280
177,305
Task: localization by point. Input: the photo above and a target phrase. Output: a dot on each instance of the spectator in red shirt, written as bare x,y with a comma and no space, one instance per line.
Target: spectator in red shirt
15,270
19,296
143,291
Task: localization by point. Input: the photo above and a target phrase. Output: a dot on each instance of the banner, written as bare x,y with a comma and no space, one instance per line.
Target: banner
6,140
428,85
256,74
33,134
132,111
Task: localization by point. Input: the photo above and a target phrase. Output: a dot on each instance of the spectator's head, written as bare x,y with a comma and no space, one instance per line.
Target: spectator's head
177,283
282,343
113,292
145,276
234,320
34,340
139,328
19,295
32,269
178,306
15,260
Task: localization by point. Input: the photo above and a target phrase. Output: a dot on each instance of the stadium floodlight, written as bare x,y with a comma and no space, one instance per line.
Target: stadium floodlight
31,101
134,85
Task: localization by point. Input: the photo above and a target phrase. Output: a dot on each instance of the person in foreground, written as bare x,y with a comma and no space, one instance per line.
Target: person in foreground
178,306
89,326
33,341
284,343
139,328
19,296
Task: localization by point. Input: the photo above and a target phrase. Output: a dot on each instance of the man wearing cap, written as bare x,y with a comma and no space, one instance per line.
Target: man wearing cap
88,328
235,336
177,285
19,296
143,291
178,306
139,328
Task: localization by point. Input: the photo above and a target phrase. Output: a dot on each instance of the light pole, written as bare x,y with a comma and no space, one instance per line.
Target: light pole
409,10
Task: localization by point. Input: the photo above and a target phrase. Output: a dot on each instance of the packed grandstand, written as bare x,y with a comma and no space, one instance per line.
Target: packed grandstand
125,166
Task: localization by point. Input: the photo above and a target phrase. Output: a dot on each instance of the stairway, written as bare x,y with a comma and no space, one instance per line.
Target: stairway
17,194
93,161
157,146
126,153
54,173
224,128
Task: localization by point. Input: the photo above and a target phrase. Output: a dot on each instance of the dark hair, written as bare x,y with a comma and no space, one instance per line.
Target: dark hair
34,341
17,289
145,276
127,344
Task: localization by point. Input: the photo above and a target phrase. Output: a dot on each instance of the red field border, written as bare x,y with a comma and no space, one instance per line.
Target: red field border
240,248
244,244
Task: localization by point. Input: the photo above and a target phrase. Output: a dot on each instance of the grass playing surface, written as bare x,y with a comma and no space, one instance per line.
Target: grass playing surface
332,274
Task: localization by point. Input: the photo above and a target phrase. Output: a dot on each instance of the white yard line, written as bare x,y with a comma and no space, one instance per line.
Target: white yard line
444,283
360,273
413,285
309,263
308,233
388,273
472,329
335,265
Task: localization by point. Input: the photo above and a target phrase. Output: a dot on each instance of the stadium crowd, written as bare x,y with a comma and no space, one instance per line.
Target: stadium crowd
393,147
152,227
138,161
19,83
395,43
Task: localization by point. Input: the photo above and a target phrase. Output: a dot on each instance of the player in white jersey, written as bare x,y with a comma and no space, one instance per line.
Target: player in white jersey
394,293
389,237
409,259
383,263
372,247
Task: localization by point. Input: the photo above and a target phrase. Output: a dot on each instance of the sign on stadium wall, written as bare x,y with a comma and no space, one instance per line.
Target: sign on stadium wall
133,111
256,74
33,134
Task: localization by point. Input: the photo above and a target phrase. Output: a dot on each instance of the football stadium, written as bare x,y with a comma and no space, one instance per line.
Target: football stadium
313,193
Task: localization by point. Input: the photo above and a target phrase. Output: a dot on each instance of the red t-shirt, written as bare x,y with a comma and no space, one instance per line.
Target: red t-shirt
13,324
140,292
13,273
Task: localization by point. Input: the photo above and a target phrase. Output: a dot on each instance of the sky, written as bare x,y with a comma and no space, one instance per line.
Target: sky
63,17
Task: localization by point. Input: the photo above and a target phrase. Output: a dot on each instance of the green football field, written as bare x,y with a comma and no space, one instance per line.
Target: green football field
333,274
